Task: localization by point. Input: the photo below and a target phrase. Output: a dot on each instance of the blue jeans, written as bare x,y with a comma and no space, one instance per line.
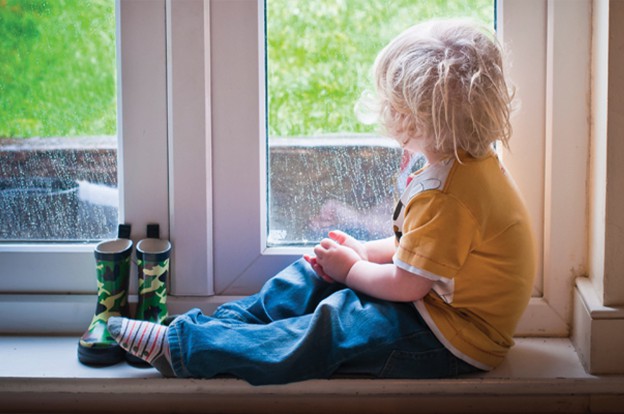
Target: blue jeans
299,327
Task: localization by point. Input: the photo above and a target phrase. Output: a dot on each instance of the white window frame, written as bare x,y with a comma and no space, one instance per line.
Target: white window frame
193,150
557,158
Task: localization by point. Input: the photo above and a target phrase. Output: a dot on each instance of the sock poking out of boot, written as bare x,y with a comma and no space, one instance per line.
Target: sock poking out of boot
144,340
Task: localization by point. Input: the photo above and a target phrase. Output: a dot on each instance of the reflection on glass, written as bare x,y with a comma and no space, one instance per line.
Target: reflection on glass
327,170
58,145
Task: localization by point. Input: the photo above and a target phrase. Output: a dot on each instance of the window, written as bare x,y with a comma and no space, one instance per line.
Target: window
193,150
52,270
58,164
326,169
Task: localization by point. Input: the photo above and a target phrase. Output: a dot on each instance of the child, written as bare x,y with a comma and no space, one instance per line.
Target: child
441,297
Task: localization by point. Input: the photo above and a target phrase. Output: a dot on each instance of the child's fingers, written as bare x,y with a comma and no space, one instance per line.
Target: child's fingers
320,273
338,236
321,249
318,269
328,243
346,240
309,259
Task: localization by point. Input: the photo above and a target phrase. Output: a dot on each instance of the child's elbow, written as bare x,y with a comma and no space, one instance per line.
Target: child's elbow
413,286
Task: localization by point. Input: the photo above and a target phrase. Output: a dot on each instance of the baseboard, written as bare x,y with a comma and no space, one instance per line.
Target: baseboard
598,331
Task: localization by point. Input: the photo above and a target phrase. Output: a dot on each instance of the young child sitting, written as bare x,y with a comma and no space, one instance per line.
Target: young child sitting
439,298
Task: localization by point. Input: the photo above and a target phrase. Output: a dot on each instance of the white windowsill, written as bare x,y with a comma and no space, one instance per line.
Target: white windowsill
42,373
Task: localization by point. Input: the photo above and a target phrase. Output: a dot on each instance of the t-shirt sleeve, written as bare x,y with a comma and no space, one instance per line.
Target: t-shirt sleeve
438,234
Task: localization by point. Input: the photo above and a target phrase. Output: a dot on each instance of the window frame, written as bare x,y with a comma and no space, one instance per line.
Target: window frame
199,94
565,148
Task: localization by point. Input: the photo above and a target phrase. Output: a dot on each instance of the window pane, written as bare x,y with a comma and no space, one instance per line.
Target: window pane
327,170
58,120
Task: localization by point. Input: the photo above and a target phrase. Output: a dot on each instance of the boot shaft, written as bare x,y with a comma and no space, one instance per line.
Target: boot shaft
153,268
112,259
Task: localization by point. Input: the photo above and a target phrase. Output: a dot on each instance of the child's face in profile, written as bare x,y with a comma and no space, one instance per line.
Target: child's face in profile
417,144
409,142
413,144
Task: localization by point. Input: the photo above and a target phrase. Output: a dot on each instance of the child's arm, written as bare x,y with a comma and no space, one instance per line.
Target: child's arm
383,281
376,251
387,282
381,251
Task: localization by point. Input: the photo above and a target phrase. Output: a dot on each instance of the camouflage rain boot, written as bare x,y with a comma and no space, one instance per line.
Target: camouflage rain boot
112,257
152,256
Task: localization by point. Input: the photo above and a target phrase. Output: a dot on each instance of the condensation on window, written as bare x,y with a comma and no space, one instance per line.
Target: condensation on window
326,170
58,121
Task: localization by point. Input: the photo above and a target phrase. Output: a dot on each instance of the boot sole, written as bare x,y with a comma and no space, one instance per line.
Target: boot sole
100,356
136,361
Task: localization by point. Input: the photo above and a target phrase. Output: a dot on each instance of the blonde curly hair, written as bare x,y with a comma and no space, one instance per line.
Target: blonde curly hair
443,82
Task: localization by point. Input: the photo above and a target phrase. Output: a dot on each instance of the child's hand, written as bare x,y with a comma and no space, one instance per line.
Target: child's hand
317,268
335,259
344,239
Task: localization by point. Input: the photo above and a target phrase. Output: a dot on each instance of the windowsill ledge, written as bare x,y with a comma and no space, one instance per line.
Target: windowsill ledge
544,374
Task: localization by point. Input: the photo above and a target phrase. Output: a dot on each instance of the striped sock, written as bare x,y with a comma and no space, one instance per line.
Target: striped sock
145,340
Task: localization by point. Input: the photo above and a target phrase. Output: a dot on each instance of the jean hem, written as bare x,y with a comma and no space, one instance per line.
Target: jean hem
175,347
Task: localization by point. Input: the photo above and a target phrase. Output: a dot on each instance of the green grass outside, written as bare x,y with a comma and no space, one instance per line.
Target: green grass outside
321,53
57,70
58,78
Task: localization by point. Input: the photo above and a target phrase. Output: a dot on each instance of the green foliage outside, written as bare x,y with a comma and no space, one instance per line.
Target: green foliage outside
57,70
58,78
321,53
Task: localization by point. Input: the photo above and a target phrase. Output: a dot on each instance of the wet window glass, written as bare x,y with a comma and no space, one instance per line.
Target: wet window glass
326,169
58,121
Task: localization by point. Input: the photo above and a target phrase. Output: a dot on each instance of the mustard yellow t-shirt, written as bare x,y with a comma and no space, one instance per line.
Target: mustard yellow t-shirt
464,226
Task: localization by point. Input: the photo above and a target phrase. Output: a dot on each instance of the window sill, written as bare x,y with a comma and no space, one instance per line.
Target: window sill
544,374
